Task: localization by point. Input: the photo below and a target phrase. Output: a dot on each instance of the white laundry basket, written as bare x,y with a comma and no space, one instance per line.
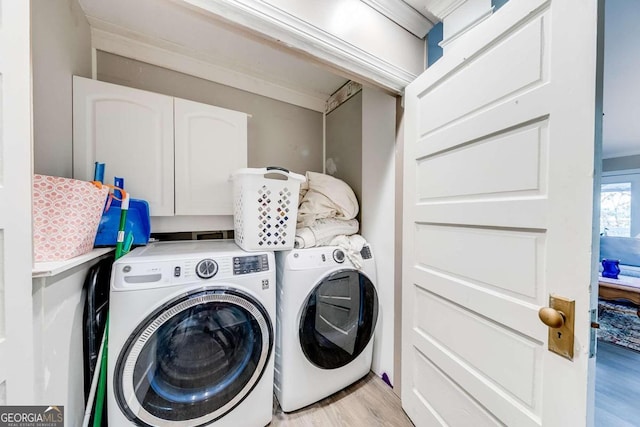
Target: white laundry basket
265,208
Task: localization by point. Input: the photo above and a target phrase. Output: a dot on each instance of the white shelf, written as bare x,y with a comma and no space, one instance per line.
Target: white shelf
47,269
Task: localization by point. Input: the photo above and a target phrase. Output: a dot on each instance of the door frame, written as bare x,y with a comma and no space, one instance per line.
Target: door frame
17,347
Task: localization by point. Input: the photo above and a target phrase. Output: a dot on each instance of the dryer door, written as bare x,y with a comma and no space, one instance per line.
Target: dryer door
194,359
338,319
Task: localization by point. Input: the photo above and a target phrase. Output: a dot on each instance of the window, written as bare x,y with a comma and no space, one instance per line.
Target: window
615,209
620,204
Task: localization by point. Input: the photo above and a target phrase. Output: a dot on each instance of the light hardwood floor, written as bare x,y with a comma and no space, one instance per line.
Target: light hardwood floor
370,402
367,403
617,386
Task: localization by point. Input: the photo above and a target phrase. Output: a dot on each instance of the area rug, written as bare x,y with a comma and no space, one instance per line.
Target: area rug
619,324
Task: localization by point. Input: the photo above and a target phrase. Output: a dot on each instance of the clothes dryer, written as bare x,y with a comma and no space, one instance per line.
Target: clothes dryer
327,314
191,336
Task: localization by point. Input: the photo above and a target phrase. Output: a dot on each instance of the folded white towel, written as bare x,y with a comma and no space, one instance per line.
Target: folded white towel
322,231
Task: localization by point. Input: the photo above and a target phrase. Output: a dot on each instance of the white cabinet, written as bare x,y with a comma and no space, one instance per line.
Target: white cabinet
176,154
129,130
210,143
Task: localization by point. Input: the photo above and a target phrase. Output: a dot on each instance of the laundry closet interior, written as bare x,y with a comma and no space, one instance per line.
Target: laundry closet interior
304,111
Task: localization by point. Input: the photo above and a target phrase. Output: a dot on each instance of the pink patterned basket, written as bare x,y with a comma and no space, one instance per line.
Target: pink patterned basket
66,214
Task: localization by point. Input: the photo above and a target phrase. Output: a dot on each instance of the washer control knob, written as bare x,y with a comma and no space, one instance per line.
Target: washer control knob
207,268
338,256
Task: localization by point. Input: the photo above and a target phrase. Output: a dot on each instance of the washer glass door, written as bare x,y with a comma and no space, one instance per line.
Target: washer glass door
194,359
338,319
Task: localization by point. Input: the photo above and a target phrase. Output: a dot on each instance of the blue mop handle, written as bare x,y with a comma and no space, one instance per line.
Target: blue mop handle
98,173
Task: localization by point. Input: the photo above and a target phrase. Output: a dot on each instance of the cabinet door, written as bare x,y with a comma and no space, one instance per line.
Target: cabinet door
210,144
129,130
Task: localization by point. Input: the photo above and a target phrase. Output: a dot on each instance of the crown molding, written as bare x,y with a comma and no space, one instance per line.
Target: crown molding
441,9
404,15
278,25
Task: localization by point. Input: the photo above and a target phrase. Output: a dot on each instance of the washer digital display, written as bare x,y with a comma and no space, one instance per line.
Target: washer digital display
250,264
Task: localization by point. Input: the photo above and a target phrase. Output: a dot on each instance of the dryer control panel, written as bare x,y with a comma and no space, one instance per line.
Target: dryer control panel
322,257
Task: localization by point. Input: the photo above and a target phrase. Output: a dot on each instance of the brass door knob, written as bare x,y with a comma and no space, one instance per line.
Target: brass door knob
551,317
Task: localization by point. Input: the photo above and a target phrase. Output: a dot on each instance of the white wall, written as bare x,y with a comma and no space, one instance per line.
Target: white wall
361,147
279,134
378,213
61,47
343,143
620,125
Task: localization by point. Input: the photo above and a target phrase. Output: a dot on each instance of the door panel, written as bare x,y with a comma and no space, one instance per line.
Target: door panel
522,53
465,335
499,184
129,130
210,144
463,172
441,390
512,265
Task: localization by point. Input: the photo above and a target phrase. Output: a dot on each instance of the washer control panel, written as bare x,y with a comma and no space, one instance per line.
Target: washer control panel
141,275
250,264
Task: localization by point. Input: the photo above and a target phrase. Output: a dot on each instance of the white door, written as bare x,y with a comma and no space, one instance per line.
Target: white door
499,193
129,130
16,338
210,143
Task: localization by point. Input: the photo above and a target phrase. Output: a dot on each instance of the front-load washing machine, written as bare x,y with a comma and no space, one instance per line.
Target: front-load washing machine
191,336
327,313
